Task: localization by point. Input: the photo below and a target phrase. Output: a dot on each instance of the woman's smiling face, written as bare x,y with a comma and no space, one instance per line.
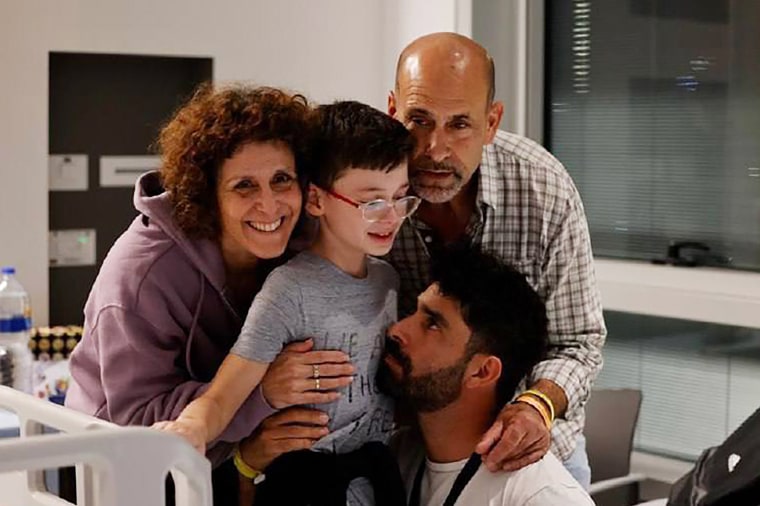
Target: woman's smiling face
259,201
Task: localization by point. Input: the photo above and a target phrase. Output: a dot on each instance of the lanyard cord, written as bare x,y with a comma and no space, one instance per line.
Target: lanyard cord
462,479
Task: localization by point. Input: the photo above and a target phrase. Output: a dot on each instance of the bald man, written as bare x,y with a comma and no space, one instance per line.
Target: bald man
510,196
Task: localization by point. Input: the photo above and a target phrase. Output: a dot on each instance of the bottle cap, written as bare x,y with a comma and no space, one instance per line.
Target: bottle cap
8,270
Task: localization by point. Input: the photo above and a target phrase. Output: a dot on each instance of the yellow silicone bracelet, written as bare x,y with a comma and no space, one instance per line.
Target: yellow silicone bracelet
538,406
244,468
545,398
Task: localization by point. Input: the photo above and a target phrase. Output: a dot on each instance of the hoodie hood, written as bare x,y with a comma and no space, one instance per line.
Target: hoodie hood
153,202
157,324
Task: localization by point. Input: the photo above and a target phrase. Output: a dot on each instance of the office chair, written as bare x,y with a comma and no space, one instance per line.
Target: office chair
611,416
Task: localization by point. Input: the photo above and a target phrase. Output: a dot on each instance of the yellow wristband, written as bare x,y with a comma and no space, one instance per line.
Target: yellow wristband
244,468
545,398
538,406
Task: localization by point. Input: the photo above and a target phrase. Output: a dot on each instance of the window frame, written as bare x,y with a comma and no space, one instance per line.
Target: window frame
714,295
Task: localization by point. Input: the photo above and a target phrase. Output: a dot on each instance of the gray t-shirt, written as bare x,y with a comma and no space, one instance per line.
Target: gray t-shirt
311,297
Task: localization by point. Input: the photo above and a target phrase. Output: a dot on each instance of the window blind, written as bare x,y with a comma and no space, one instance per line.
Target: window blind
699,382
652,105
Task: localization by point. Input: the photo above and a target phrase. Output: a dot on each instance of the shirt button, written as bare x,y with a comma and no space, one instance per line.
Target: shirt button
428,239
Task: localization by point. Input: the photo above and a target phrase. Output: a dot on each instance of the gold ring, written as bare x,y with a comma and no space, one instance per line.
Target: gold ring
316,383
315,371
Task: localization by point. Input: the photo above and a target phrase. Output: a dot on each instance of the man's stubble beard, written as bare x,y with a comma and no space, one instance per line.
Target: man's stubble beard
435,194
425,393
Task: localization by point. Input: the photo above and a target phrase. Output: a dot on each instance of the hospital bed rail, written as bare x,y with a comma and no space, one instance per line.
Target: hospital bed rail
114,465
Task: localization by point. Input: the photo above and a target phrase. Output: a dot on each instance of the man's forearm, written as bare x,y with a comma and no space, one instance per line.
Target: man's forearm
571,368
576,321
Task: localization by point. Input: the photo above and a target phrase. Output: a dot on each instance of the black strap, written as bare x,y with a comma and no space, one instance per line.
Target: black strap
463,478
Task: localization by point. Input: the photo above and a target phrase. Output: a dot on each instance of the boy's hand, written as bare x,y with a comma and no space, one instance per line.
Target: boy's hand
194,432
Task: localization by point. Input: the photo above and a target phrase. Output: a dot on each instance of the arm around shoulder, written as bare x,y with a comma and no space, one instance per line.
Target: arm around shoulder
576,323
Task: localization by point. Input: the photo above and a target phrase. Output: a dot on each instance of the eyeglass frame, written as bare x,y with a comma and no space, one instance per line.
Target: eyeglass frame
362,206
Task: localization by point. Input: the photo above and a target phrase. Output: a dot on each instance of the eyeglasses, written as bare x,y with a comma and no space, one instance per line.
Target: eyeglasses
376,210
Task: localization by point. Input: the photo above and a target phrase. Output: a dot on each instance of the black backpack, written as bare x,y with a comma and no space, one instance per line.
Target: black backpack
725,475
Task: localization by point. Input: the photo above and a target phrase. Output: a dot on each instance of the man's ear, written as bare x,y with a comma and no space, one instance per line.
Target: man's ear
392,104
315,201
495,112
483,371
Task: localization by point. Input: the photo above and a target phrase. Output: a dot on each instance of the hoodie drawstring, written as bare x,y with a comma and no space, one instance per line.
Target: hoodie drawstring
194,325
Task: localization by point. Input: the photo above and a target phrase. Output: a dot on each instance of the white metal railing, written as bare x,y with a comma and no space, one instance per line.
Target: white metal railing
115,466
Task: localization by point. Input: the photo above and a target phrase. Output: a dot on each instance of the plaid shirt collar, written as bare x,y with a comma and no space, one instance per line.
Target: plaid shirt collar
491,187
491,191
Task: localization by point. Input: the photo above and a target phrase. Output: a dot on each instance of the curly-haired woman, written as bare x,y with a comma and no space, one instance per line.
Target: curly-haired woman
172,294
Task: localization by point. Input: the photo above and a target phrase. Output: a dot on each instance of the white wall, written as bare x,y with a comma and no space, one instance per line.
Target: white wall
512,32
405,20
328,49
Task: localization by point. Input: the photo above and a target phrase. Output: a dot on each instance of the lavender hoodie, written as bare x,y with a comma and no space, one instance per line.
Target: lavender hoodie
157,325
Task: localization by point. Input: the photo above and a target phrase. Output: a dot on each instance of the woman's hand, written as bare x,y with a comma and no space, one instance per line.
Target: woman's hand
300,376
194,432
289,430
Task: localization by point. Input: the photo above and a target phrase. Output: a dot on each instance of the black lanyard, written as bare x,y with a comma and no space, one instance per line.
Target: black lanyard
463,478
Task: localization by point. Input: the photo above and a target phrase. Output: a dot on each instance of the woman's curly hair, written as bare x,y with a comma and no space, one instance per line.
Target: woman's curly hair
209,129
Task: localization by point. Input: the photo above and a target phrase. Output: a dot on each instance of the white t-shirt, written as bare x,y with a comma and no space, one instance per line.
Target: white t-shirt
545,483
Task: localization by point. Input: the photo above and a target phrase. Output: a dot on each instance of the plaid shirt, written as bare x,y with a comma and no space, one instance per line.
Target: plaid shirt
529,214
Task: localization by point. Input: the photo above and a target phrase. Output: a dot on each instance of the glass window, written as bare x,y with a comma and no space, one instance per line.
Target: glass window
652,105
699,381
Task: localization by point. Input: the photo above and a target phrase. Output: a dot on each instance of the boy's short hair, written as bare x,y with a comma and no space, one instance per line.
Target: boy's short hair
351,134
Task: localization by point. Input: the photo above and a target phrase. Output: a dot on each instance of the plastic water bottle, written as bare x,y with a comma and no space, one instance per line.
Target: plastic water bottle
15,327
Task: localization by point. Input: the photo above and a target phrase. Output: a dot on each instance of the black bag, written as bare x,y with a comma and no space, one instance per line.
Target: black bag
725,475
305,477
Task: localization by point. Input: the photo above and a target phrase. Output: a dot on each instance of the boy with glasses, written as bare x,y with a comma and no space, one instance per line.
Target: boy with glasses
342,297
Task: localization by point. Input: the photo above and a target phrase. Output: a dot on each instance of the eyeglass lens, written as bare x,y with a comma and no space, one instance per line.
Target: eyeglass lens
378,209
